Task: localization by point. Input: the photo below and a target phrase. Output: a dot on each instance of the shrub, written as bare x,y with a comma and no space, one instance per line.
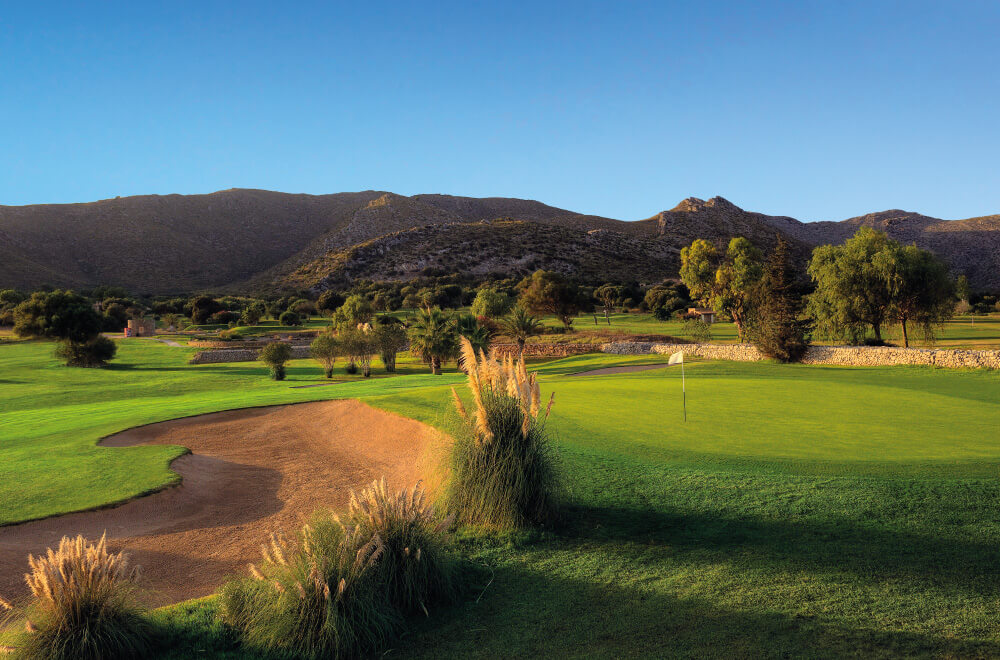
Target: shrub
350,368
94,353
84,606
325,349
316,598
290,318
698,330
502,467
224,317
275,355
417,568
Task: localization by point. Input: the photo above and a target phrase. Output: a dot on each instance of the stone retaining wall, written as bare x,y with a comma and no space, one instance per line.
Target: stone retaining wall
862,356
543,350
239,355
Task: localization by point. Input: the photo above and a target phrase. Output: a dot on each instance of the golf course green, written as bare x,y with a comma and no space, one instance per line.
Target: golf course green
801,511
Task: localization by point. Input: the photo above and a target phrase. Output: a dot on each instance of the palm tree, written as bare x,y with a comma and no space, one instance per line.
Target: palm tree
480,336
521,325
433,337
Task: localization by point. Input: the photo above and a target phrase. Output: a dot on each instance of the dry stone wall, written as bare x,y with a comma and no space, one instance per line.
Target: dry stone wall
240,355
542,350
860,356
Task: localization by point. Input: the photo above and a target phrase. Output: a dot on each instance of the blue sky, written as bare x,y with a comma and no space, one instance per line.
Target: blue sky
816,110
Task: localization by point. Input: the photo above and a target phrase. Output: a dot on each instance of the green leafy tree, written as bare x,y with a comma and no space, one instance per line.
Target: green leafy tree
275,355
699,263
202,308
490,303
779,332
329,301
253,313
389,339
546,292
325,349
354,312
359,345
609,295
921,290
68,317
520,325
963,291
433,337
290,318
726,283
866,283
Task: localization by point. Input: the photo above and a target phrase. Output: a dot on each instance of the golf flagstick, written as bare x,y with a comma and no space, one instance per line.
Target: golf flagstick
678,358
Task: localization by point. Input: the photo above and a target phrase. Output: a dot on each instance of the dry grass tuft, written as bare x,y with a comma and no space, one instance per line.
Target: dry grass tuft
502,470
418,569
83,605
315,596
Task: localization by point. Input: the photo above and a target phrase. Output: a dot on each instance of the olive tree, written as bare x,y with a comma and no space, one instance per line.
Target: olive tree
275,355
325,349
726,282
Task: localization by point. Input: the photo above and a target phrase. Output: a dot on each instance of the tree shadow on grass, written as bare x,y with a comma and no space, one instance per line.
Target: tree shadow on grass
834,546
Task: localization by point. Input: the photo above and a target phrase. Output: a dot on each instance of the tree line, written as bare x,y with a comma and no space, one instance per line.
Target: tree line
850,292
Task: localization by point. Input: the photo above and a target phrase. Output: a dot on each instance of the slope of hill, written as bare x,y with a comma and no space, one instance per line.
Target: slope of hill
502,247
242,239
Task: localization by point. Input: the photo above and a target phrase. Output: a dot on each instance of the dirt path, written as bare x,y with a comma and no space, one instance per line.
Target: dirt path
252,472
621,370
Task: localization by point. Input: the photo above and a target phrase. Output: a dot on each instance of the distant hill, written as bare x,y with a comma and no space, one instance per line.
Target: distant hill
252,239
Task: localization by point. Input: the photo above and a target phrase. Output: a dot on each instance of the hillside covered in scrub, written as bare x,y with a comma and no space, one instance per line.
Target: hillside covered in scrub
250,240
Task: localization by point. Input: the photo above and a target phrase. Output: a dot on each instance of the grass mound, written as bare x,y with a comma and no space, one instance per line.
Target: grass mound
502,471
84,607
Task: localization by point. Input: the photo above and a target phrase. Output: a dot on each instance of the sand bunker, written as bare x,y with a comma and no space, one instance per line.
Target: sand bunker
252,472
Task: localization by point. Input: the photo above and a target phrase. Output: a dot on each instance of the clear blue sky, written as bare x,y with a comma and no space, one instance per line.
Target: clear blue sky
817,110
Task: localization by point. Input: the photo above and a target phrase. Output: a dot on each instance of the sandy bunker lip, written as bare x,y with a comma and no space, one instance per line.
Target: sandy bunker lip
251,472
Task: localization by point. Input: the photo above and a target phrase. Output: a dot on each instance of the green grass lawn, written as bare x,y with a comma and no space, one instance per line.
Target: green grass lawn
802,511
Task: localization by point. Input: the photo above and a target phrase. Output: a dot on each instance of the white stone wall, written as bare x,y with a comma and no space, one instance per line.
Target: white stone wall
865,356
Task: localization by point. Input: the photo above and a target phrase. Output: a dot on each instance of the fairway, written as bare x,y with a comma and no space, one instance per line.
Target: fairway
802,510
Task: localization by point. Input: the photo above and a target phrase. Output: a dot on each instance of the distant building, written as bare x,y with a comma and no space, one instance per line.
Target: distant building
706,315
141,327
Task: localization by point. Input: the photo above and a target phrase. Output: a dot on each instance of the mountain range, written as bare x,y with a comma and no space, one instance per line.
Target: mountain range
244,240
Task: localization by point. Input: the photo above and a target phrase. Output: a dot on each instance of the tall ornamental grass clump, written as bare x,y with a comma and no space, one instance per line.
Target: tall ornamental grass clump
344,587
417,568
502,471
314,598
84,606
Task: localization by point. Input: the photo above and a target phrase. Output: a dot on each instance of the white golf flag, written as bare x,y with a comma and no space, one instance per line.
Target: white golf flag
676,358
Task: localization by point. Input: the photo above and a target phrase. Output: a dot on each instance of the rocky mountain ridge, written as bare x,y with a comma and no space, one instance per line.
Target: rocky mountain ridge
240,239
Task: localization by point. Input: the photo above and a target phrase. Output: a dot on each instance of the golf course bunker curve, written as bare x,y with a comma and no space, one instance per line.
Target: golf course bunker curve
252,472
